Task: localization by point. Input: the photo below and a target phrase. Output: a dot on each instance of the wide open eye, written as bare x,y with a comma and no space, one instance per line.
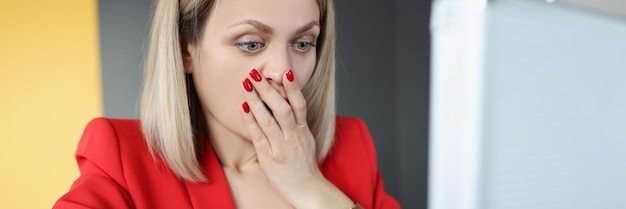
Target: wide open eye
250,47
303,46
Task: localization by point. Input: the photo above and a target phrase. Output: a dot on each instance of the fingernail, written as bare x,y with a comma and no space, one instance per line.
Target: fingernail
247,85
290,75
245,107
255,75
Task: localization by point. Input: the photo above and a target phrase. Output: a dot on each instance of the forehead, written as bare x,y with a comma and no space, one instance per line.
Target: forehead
278,14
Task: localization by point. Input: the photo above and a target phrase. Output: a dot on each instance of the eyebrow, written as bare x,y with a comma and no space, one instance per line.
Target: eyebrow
269,30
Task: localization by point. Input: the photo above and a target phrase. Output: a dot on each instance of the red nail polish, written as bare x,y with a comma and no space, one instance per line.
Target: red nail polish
290,75
245,107
247,85
255,75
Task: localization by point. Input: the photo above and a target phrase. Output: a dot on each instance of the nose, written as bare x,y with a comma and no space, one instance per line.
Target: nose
277,63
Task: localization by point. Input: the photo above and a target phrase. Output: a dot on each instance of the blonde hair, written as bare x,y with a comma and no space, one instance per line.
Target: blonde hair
171,116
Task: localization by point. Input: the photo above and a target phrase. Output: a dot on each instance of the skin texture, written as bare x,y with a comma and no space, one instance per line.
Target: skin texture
268,157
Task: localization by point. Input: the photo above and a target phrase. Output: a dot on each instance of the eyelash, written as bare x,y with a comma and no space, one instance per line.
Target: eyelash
242,46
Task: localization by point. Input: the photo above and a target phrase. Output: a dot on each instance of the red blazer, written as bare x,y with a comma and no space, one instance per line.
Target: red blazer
117,171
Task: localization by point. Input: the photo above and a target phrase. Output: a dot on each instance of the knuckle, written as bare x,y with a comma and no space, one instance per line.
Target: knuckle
269,122
257,140
283,112
300,106
302,128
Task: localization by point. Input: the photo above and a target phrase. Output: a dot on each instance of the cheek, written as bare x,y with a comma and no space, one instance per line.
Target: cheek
221,74
218,83
218,89
305,68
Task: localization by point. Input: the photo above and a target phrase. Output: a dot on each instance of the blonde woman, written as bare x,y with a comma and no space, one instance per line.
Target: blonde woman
237,111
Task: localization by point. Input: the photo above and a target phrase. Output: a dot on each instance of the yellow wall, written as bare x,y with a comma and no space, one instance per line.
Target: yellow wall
49,90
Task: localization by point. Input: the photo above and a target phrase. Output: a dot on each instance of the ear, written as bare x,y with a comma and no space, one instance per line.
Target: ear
187,51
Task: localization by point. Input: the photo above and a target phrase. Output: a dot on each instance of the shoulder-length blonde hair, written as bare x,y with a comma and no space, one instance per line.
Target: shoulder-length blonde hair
171,116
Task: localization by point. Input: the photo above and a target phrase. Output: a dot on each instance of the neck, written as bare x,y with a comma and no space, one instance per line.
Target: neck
233,150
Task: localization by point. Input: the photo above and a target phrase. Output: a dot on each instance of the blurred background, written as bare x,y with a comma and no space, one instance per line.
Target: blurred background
50,87
528,104
472,104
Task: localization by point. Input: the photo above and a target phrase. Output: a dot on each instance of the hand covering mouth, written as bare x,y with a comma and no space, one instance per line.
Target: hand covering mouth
270,109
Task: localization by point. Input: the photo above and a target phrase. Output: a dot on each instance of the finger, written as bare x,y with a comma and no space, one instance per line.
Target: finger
281,110
264,119
295,97
261,145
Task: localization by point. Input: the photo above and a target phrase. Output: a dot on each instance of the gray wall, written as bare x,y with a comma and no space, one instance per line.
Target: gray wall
123,27
382,77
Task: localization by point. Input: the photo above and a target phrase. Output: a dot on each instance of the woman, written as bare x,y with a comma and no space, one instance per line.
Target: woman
237,111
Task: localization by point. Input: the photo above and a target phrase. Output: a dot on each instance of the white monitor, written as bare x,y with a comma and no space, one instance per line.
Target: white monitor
528,105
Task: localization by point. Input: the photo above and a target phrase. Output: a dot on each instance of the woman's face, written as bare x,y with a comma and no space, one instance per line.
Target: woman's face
271,36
